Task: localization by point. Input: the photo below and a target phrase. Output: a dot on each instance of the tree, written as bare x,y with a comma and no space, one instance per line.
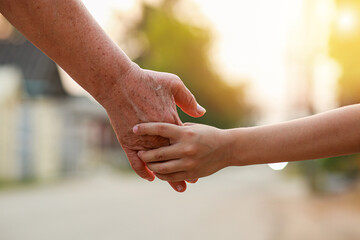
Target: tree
344,45
170,45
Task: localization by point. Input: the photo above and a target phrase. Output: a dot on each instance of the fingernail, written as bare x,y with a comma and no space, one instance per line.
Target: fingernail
135,128
180,188
191,181
139,153
200,109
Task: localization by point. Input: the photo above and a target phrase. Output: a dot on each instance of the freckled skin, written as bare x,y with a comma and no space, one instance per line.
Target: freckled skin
161,108
68,34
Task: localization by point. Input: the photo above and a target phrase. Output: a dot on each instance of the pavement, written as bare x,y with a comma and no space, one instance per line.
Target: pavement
254,203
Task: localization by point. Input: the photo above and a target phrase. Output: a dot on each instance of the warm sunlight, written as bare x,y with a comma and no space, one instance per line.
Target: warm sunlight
190,109
260,42
250,39
347,20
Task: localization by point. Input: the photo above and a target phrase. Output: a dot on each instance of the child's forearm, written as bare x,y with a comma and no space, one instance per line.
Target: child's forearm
329,134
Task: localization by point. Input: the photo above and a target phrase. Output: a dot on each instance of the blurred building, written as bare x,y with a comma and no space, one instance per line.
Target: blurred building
44,132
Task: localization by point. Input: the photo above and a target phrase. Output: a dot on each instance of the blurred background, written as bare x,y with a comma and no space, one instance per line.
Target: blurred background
64,175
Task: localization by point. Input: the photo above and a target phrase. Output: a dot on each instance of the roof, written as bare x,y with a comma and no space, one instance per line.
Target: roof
41,76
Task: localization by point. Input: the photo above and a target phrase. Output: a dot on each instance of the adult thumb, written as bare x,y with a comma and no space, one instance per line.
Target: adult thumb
186,101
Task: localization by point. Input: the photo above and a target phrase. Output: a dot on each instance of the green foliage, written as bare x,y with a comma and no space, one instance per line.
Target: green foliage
329,175
170,45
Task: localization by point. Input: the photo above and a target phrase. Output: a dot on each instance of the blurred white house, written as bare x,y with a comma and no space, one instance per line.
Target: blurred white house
44,132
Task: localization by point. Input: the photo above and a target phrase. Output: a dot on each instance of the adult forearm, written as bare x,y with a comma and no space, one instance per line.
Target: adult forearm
333,133
67,33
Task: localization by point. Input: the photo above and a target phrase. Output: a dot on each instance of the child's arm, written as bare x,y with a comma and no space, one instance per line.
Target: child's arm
199,150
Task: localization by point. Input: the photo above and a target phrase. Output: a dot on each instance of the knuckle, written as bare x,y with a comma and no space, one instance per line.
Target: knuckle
161,129
176,79
159,156
190,164
176,82
190,150
189,133
139,169
137,166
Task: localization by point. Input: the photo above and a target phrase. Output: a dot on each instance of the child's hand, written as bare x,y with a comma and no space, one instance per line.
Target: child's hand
195,150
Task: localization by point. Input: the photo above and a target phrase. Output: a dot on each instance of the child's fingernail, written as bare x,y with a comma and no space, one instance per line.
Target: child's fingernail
200,109
139,153
180,188
135,128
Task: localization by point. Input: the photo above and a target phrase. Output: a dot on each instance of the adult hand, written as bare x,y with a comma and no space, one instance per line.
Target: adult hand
147,96
68,34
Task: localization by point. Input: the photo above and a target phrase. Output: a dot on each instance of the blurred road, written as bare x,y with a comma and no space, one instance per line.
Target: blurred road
253,203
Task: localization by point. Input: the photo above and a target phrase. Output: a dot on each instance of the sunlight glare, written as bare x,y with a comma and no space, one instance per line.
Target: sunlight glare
278,166
347,20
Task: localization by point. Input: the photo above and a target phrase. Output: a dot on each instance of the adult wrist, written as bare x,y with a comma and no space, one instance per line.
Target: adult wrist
113,83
